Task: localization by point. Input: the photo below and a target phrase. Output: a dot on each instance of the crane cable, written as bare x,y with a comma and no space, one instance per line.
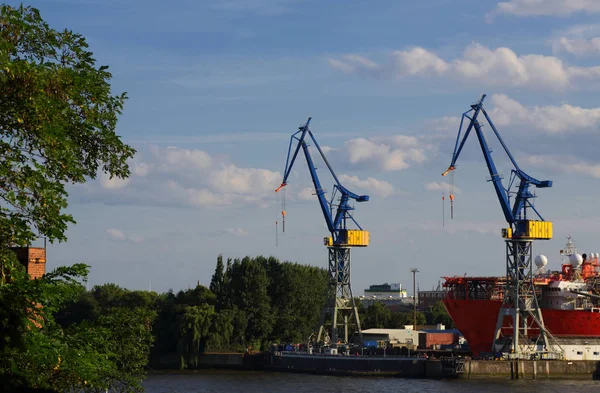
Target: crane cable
283,210
443,210
451,186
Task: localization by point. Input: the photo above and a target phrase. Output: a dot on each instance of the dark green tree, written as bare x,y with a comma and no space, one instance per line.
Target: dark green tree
297,295
139,299
221,333
108,295
249,285
79,354
128,333
377,316
400,319
421,319
240,326
85,308
195,297
217,282
194,326
440,315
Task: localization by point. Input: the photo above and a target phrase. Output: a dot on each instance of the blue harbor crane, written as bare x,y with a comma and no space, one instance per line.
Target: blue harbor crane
525,224
520,225
337,211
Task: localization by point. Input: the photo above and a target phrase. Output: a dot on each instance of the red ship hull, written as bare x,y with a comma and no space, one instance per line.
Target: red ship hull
476,320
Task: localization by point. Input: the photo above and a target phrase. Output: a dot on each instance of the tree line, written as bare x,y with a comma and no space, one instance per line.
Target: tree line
249,304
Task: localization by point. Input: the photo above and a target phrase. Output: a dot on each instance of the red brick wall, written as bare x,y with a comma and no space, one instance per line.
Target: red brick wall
34,260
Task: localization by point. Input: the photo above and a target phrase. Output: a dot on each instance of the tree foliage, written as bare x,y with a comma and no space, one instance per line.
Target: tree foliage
258,301
194,326
439,314
377,316
57,125
89,352
218,279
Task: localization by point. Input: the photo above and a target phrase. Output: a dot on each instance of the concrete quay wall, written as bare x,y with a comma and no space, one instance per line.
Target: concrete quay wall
531,369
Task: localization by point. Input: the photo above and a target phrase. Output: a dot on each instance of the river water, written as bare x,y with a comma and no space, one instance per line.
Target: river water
254,382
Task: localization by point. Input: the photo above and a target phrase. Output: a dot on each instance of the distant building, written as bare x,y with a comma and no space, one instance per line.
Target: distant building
390,295
394,304
386,291
427,299
404,337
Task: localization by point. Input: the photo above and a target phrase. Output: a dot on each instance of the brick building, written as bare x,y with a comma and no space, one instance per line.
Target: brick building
427,299
33,258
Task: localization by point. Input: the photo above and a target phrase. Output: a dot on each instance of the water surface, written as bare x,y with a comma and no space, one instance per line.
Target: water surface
277,382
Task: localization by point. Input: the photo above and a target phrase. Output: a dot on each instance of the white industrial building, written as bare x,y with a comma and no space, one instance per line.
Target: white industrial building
407,336
386,291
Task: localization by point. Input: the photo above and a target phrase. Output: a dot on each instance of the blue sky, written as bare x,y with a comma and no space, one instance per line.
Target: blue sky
217,87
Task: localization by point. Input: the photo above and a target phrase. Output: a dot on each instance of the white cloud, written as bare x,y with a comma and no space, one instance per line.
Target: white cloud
136,238
551,119
564,164
390,154
352,63
377,187
230,178
445,123
307,194
484,66
182,177
115,234
112,184
239,232
140,169
119,235
419,61
327,149
545,7
197,197
579,40
176,158
440,187
577,46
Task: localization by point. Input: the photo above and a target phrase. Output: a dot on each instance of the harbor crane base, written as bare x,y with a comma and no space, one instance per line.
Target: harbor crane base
521,304
340,305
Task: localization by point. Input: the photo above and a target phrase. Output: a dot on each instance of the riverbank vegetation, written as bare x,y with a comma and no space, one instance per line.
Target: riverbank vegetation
249,304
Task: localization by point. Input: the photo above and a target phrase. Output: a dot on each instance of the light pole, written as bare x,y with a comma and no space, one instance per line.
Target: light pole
414,272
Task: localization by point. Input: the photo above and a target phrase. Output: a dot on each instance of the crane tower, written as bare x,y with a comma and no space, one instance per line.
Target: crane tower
528,335
340,305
